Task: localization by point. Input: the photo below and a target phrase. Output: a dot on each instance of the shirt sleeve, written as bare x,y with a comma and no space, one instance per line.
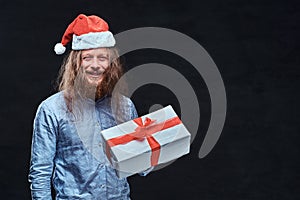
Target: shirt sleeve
42,153
134,113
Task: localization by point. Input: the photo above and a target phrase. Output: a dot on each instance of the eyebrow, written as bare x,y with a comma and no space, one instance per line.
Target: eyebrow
102,54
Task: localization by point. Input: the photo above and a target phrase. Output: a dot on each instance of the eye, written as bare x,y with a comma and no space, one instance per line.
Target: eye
103,58
87,58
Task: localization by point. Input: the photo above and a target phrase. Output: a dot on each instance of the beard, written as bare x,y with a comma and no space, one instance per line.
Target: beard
85,88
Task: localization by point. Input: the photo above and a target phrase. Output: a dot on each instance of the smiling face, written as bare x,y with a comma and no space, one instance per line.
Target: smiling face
94,62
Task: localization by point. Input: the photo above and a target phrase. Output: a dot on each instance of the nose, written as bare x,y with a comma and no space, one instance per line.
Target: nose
95,65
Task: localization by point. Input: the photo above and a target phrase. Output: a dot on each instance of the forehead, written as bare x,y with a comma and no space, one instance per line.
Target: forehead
98,51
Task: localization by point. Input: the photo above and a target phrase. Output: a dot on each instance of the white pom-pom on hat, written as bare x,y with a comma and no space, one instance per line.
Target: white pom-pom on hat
59,49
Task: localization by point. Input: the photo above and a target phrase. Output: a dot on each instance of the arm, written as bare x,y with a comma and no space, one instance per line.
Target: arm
42,154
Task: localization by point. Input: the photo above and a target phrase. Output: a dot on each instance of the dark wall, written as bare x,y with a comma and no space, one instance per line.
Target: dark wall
255,45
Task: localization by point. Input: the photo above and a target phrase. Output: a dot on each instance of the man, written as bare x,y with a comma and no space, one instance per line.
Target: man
67,148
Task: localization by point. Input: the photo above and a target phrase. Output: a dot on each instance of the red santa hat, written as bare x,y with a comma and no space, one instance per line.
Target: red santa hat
86,32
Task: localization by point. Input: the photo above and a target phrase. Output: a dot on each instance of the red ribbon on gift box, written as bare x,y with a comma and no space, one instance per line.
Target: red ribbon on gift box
145,130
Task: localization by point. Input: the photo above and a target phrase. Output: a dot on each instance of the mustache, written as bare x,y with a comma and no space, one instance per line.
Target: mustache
94,72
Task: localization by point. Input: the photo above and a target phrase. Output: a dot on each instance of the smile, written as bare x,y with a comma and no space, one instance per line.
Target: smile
94,74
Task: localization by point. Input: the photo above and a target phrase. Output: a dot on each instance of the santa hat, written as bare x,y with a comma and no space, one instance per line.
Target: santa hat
86,32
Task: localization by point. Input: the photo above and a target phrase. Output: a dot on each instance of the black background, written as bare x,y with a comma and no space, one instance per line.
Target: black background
255,45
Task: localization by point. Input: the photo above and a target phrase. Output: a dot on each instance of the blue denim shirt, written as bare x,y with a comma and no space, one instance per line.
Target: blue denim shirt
67,151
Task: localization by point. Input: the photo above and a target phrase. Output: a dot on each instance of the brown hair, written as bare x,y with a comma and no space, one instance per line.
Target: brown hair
71,67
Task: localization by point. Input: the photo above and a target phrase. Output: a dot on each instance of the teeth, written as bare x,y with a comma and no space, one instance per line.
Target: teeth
93,74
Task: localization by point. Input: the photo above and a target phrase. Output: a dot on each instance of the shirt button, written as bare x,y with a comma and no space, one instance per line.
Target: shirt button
102,186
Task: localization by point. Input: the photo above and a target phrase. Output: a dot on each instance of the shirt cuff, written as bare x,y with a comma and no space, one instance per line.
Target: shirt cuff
146,172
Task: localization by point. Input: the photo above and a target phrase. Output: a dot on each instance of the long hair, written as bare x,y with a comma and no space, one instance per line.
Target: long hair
70,70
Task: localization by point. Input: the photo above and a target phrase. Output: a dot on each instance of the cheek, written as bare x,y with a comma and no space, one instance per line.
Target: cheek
84,68
105,64
84,65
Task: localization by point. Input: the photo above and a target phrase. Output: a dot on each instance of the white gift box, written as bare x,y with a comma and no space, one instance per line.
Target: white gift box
152,139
